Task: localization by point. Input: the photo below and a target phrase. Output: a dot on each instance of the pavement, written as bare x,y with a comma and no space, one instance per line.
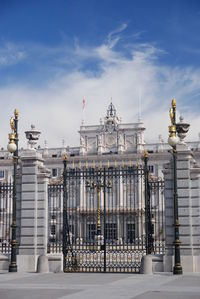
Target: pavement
96,286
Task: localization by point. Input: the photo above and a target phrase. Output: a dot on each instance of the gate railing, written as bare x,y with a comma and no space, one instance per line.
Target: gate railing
77,180
6,190
156,188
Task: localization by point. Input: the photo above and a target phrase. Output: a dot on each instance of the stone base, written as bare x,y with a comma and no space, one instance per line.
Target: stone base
146,264
27,263
189,264
43,264
4,262
157,263
168,263
55,263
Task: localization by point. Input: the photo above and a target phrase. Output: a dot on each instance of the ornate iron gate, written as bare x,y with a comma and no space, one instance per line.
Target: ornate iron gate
6,190
105,219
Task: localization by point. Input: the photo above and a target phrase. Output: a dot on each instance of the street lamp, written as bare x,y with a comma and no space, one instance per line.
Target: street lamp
173,141
13,148
98,185
148,218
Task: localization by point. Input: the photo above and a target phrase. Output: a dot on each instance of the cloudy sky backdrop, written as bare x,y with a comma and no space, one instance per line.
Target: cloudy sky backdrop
53,53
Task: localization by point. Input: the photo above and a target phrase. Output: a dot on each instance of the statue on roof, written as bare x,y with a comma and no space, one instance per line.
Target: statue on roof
111,112
111,120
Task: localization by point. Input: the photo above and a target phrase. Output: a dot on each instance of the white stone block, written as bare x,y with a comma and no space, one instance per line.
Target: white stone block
195,211
29,170
184,193
4,262
28,231
185,230
168,263
28,213
195,193
195,202
41,196
196,240
27,263
184,220
55,263
29,178
27,222
183,183
27,240
183,174
185,240
183,211
183,165
188,264
195,221
29,205
30,187
30,195
183,202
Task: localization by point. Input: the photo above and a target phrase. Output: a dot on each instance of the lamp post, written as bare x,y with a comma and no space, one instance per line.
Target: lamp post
98,185
173,141
13,148
148,220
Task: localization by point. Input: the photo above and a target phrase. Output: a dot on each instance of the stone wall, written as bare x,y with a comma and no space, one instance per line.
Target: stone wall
188,184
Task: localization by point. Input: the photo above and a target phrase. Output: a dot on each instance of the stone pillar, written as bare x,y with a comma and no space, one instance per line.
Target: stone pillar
33,220
188,183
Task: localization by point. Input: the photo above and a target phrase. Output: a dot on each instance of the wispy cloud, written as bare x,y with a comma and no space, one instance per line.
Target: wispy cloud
11,54
114,37
55,107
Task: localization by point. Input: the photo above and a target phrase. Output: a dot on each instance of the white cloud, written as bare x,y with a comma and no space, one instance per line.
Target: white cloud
55,108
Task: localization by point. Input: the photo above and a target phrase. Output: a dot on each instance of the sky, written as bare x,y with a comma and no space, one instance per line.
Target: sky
140,54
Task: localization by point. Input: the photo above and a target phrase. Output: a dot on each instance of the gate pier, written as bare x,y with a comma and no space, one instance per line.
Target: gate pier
188,185
32,210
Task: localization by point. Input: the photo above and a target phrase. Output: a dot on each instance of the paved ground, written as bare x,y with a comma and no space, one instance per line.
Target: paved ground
96,286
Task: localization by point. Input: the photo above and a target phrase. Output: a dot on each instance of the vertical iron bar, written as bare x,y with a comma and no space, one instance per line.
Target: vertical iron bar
64,214
104,215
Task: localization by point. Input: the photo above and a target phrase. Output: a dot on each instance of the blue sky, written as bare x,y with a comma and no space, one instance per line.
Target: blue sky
52,53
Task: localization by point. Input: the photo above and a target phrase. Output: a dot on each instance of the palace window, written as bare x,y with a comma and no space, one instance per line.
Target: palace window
1,174
53,233
130,231
151,168
111,231
54,172
91,231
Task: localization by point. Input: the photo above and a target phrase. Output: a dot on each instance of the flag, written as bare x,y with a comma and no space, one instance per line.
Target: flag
83,103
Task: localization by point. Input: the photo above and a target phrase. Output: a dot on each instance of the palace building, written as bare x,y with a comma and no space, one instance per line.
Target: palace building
105,197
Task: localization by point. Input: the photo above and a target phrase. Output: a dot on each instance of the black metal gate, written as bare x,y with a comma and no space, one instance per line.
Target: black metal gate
110,218
6,190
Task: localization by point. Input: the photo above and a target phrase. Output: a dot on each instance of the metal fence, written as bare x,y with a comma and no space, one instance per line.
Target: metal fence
157,215
104,226
6,190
